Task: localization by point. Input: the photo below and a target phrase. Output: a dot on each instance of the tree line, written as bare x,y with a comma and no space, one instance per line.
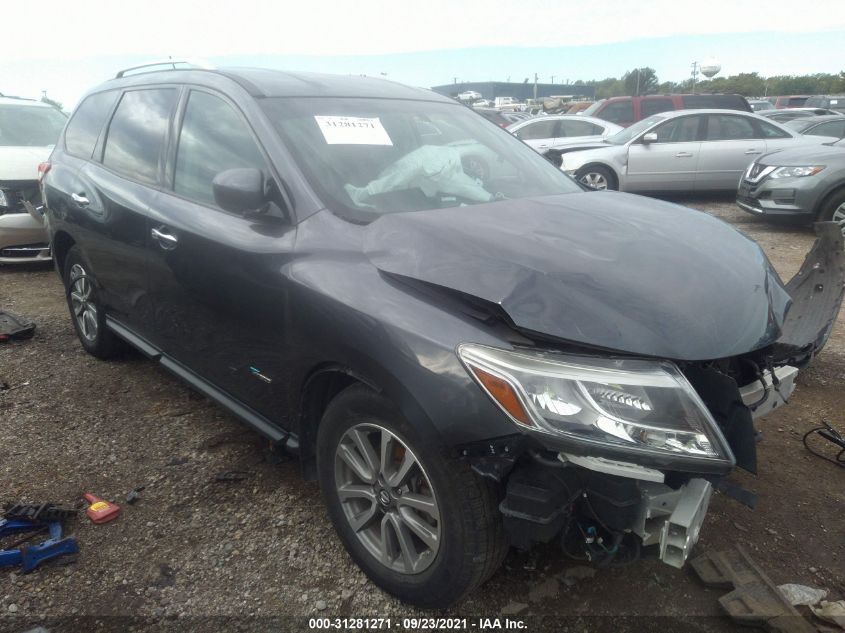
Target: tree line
643,81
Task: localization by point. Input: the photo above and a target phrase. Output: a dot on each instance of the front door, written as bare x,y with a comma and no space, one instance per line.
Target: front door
669,163
218,294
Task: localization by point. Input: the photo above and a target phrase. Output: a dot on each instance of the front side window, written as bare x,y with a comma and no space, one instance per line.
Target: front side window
623,136
724,127
213,138
87,122
369,157
681,129
796,102
30,125
537,130
771,131
579,128
136,135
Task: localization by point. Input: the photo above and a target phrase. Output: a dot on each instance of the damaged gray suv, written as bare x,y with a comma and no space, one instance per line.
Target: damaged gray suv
467,349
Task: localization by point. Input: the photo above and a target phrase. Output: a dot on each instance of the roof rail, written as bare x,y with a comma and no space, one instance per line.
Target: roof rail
194,63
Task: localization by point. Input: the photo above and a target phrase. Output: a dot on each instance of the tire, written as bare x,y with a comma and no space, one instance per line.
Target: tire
86,312
597,177
834,210
469,544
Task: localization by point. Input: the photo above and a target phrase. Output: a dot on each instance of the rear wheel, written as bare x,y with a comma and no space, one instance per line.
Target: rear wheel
86,311
834,210
597,177
419,523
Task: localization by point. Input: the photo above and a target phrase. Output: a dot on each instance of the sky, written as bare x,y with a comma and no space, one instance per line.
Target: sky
71,46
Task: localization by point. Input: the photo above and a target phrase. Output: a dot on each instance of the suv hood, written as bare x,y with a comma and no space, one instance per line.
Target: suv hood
608,270
805,155
21,163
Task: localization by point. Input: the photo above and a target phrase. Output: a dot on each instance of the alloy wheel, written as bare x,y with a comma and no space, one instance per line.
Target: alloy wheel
82,302
839,217
595,180
387,498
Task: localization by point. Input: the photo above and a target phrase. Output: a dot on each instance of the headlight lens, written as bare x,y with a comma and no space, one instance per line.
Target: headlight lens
796,172
636,405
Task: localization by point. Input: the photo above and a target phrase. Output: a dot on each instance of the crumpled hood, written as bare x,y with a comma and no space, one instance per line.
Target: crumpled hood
21,163
609,270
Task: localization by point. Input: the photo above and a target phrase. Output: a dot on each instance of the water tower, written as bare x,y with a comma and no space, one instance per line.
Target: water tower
710,67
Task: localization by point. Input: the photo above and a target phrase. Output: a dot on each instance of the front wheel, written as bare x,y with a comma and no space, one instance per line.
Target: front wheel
597,177
419,523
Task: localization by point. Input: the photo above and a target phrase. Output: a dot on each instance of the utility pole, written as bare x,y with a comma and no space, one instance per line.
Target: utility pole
535,86
638,83
694,75
553,78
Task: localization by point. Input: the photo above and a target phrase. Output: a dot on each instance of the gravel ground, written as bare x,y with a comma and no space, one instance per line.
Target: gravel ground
259,554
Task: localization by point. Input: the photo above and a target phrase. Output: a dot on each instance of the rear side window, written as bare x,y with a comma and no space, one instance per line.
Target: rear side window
537,130
87,122
621,112
797,102
214,138
724,127
137,131
654,106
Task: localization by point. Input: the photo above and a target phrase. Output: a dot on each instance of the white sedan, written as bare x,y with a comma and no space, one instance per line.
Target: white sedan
548,132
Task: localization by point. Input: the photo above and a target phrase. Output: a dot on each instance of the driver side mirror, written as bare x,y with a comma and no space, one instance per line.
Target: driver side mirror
650,137
239,190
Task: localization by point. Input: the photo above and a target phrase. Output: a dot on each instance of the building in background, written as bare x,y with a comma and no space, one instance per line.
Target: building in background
520,91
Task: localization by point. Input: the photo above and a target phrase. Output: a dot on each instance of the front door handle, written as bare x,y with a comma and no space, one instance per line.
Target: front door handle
754,151
683,155
167,241
80,199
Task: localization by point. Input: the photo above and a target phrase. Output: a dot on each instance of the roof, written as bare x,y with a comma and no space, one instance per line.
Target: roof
263,82
23,101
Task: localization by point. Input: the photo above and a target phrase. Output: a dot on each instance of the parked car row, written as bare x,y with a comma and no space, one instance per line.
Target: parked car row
468,349
688,150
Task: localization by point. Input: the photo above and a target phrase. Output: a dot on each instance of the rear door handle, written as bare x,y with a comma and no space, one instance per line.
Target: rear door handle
683,155
80,199
167,241
754,151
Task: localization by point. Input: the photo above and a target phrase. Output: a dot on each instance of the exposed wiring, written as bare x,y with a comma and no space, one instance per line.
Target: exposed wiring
831,435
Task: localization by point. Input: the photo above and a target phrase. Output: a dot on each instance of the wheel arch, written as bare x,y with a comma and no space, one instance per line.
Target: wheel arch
826,198
61,244
324,383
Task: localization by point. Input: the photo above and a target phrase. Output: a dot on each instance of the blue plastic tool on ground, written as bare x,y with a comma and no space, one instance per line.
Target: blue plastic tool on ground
29,557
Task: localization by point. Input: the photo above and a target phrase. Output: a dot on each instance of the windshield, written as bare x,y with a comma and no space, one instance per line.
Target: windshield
620,138
29,125
377,156
591,110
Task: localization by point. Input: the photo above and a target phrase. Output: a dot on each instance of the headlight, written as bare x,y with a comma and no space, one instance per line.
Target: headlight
3,200
635,405
796,172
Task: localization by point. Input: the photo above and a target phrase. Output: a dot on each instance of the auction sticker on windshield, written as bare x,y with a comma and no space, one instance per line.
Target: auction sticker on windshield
350,130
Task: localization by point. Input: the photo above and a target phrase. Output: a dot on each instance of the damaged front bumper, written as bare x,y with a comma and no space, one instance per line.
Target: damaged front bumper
602,505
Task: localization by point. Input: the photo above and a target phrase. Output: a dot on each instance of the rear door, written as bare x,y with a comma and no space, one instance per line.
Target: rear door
115,192
214,275
731,143
539,134
670,163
